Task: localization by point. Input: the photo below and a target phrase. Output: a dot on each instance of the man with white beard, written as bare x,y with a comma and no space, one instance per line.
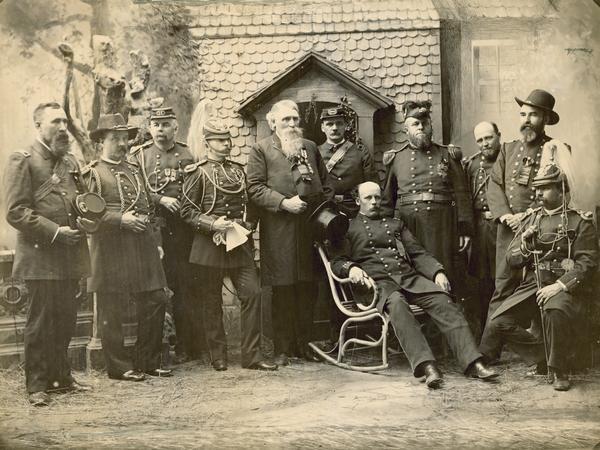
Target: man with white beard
287,180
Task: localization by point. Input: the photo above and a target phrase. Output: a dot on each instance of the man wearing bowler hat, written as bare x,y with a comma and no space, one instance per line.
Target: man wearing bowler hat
125,256
510,191
162,161
51,256
348,163
386,251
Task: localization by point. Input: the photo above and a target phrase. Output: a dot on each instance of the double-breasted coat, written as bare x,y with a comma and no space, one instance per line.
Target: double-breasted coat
428,191
389,253
286,242
40,190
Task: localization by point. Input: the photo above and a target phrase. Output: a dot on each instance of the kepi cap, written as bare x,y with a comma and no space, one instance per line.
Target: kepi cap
162,113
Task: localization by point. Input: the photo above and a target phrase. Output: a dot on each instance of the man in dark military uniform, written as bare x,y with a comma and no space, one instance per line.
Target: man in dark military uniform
215,205
162,161
125,256
348,163
40,184
510,192
385,250
558,248
287,180
425,186
482,263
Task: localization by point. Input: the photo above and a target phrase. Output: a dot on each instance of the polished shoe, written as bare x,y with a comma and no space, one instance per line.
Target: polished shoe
132,375
433,376
561,381
219,365
76,386
282,360
539,370
479,370
160,373
263,365
39,399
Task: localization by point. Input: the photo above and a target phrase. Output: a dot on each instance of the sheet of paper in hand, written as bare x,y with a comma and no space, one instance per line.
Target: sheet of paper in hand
236,236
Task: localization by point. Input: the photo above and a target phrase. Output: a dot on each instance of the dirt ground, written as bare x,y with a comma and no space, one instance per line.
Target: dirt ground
306,405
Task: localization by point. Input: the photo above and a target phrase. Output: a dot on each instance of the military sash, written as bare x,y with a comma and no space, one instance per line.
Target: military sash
338,155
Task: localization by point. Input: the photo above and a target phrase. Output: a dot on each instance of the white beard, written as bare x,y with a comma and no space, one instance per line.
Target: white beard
291,141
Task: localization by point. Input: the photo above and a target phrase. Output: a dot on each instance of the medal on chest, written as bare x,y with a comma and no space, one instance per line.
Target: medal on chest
442,168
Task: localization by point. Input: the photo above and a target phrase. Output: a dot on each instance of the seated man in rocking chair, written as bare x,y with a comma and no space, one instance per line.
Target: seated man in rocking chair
384,249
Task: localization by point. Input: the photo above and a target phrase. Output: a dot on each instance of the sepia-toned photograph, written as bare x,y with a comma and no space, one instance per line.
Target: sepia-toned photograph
299,224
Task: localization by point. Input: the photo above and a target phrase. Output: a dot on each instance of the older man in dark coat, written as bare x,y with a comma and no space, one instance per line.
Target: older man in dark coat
51,255
385,250
287,180
125,256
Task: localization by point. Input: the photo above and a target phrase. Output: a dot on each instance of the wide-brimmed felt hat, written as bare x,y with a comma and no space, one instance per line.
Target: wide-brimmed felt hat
112,122
543,100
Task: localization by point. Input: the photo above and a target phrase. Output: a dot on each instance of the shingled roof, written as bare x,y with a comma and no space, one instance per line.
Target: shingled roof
300,68
226,19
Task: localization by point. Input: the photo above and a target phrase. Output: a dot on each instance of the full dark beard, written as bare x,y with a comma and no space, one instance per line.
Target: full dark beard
420,141
291,141
60,144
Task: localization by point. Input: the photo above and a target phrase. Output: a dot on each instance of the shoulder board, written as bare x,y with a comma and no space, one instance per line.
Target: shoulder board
585,215
131,163
137,148
181,143
25,153
388,156
85,169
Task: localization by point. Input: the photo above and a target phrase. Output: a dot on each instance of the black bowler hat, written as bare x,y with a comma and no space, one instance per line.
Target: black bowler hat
543,100
418,110
328,222
332,113
112,122
162,113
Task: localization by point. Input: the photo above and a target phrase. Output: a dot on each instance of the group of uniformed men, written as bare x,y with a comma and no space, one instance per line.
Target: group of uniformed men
172,220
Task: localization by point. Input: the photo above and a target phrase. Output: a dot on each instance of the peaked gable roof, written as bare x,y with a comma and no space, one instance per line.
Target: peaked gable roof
302,66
